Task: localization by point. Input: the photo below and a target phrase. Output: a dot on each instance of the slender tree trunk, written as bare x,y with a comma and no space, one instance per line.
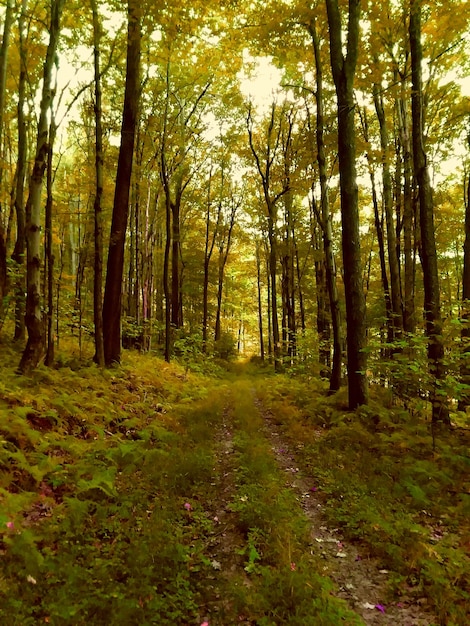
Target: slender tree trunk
34,349
48,252
270,330
464,401
343,69
176,320
97,208
166,279
409,317
299,287
208,250
440,412
19,249
8,21
378,220
395,289
224,250
277,351
113,288
330,265
260,300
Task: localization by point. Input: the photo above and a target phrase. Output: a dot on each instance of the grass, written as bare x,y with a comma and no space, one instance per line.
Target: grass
149,494
386,482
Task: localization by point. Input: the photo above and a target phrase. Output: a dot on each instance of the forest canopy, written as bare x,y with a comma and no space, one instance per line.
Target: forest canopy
285,180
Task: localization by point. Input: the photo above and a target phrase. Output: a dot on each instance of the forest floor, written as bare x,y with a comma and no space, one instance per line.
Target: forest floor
153,494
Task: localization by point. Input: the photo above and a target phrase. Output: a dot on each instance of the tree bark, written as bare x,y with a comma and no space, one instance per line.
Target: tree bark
224,246
395,288
48,252
97,208
409,317
464,401
330,265
260,305
34,349
115,266
432,309
264,165
343,69
20,243
8,21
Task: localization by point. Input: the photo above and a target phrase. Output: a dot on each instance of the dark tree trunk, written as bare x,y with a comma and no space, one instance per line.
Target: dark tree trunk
395,289
34,349
8,21
166,279
330,265
464,401
343,69
409,317
260,301
48,252
378,220
19,249
208,250
224,246
264,160
115,266
97,209
432,309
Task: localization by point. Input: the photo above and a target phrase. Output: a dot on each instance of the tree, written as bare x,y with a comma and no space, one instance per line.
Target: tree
325,221
98,217
3,73
464,402
34,349
432,309
343,68
115,266
19,249
265,158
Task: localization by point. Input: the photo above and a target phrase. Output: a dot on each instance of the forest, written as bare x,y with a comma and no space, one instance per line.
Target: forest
235,312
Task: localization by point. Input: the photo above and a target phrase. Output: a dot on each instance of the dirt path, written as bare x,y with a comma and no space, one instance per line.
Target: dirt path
361,580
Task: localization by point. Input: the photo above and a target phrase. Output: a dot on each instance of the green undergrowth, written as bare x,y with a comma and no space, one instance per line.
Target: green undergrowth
109,493
388,482
105,493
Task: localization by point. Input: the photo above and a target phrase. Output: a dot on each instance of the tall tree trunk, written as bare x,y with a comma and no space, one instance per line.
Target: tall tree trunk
409,317
330,265
48,252
464,401
224,246
378,220
176,320
208,250
343,69
272,237
264,165
97,208
8,21
395,288
115,267
19,249
260,305
34,349
440,411
166,279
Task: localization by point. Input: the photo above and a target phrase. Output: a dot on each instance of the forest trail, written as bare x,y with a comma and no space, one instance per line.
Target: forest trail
151,494
359,579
